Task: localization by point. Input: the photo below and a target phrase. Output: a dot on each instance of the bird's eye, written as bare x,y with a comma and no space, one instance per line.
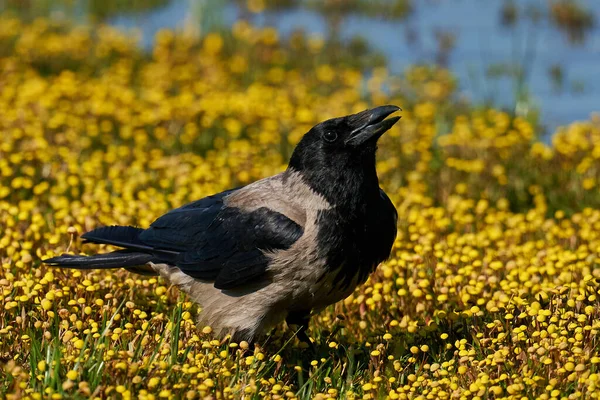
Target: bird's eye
330,136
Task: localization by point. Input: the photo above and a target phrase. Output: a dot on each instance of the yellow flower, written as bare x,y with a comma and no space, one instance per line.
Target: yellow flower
72,375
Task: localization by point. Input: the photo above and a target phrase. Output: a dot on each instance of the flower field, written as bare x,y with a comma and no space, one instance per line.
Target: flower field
491,291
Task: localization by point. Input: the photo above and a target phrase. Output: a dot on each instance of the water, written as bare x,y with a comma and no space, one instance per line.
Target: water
481,41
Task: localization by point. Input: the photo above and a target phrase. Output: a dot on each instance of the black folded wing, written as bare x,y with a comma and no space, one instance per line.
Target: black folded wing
219,243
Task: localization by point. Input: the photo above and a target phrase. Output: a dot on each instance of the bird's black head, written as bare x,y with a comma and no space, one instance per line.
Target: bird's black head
338,155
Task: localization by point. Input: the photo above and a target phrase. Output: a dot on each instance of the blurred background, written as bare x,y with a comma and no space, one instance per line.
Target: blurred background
537,58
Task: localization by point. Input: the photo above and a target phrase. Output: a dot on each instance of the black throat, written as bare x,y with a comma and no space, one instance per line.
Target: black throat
349,185
354,235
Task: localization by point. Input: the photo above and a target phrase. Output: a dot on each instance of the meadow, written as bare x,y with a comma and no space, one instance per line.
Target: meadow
491,291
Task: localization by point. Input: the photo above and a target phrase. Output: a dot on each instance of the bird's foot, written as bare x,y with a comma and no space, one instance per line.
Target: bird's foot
298,322
305,342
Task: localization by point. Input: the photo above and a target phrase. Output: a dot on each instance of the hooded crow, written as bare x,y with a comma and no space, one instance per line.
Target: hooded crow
280,248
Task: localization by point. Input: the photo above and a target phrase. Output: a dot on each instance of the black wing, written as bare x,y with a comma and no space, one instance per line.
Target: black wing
221,243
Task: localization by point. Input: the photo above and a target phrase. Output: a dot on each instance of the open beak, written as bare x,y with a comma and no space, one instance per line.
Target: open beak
369,125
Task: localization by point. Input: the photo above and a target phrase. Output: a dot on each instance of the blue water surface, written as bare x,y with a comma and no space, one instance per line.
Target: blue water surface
481,41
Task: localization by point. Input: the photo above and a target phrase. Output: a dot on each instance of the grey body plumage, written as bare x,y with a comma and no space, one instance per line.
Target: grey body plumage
279,248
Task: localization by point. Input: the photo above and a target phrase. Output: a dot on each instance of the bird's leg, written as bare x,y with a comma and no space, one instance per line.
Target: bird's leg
300,320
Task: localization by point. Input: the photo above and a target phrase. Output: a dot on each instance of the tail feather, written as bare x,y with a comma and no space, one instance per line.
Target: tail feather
134,257
116,259
123,236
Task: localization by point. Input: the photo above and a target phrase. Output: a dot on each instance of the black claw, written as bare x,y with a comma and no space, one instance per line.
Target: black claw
300,319
303,337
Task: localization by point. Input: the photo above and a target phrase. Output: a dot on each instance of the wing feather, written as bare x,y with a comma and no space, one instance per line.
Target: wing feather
223,244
